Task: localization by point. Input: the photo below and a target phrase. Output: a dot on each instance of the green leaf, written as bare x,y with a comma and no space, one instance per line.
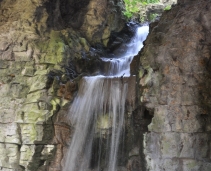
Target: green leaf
167,8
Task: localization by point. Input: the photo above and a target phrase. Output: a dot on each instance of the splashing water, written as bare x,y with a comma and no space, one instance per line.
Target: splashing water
97,114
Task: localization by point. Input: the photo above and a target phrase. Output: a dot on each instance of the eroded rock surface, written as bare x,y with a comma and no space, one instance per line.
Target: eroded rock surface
175,84
44,48
152,11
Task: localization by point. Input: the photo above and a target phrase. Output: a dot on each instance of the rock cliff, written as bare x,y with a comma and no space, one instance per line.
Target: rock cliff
45,48
175,85
43,45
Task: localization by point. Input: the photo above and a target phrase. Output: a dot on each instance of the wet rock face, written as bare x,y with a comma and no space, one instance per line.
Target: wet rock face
94,19
44,48
66,13
175,85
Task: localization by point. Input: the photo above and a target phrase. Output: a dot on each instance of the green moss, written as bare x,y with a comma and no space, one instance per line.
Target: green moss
37,83
32,113
28,132
55,102
141,73
191,165
42,46
33,133
104,122
28,71
50,58
156,124
26,152
56,42
53,49
84,43
18,90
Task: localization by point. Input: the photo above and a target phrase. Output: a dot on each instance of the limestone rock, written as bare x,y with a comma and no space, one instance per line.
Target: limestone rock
174,87
38,38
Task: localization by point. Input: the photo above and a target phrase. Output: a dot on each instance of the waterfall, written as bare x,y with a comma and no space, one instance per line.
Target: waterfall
97,113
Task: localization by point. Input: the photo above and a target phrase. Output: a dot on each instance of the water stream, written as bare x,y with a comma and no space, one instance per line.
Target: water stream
97,113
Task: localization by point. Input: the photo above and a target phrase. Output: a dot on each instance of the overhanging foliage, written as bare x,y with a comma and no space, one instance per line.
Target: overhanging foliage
133,6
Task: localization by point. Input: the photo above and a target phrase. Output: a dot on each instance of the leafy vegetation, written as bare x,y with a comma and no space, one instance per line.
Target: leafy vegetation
133,6
167,8
152,17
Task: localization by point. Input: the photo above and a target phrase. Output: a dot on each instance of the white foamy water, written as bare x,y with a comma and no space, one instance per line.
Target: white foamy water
121,66
97,114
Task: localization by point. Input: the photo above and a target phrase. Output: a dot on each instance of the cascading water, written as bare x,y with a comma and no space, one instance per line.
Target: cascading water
97,113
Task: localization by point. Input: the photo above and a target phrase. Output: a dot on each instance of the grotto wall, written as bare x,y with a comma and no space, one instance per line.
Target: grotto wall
175,80
40,39
43,45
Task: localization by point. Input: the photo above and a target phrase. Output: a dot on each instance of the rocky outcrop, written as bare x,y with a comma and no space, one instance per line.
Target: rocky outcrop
152,12
44,48
175,85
